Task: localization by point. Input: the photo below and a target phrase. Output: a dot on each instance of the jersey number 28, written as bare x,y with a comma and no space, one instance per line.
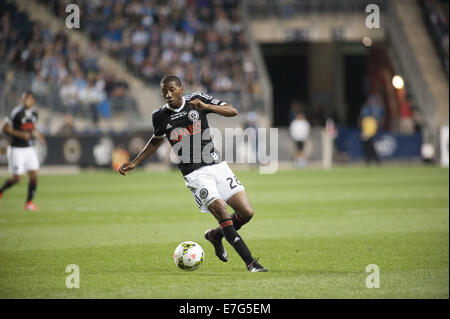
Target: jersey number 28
232,180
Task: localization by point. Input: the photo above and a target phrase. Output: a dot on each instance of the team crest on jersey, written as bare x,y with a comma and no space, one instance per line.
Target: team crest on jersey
203,193
193,115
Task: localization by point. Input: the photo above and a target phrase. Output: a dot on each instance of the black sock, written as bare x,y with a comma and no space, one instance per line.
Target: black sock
237,222
231,235
31,191
6,185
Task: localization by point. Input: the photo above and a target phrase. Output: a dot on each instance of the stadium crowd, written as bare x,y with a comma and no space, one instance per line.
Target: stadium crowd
286,9
436,18
201,41
62,77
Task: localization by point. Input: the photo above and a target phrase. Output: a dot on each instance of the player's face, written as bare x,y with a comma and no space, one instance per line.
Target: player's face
28,101
172,93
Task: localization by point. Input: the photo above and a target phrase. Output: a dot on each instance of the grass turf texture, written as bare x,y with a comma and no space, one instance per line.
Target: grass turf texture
316,231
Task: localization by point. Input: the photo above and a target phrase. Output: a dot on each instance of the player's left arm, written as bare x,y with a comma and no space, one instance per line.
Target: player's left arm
38,135
224,109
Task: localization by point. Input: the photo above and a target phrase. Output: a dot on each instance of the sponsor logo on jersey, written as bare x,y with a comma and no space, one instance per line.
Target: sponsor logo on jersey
27,126
178,133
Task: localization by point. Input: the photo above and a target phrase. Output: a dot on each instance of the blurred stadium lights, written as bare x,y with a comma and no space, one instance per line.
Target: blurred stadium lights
397,82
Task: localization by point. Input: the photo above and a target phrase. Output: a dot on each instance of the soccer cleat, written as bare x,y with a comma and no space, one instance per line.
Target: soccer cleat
221,253
31,207
254,266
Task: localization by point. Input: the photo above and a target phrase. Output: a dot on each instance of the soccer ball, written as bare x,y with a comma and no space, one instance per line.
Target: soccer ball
188,256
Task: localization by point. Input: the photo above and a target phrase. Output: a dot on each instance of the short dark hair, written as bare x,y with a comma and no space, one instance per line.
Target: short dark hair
26,93
171,78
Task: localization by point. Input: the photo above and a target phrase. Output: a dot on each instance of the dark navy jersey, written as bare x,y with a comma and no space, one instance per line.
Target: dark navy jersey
187,131
22,119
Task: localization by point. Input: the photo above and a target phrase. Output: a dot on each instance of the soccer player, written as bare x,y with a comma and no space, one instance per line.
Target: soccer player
300,130
183,121
22,156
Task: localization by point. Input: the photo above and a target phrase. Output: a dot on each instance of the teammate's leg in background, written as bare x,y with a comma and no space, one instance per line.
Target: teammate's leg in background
9,182
32,185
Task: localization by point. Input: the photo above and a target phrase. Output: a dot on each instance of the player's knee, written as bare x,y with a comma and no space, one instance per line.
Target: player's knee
219,210
247,214
250,213
33,175
15,179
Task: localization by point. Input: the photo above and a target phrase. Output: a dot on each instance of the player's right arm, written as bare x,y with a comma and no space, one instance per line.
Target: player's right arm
8,130
152,145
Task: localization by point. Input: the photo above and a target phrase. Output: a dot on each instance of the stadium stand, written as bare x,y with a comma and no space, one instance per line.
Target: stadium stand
419,63
64,79
436,19
288,8
180,37
210,45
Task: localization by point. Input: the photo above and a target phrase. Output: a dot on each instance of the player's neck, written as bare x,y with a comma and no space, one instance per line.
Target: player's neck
179,106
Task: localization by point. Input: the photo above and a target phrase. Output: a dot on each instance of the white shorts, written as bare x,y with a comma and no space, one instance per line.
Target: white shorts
22,160
211,182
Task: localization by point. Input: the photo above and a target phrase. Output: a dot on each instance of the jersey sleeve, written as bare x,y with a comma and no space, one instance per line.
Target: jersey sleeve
159,130
10,118
205,98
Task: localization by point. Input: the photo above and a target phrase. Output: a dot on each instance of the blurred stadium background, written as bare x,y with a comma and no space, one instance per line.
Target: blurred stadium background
97,86
315,229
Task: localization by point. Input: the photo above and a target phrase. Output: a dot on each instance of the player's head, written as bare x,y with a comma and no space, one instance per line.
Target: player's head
172,90
28,99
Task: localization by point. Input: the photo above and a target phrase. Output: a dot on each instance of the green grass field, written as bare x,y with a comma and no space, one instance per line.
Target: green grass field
316,231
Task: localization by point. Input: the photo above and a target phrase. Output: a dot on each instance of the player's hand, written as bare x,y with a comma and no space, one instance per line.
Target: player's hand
39,136
198,105
126,167
26,135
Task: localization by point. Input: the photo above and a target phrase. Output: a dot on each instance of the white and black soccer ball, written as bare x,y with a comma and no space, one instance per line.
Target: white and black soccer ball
188,256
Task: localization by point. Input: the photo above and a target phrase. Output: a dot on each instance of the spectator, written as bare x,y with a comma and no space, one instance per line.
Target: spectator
40,88
90,97
68,128
406,122
68,93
